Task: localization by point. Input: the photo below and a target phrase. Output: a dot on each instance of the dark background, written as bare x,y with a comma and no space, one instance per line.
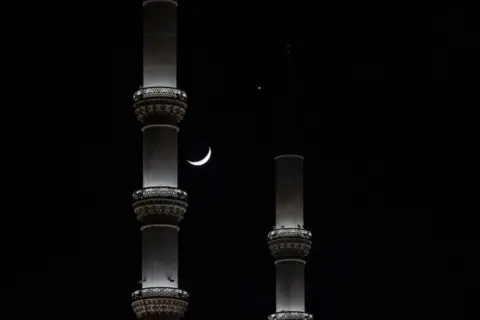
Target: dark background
383,116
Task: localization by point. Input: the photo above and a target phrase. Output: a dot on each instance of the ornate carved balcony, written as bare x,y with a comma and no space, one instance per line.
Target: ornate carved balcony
160,105
290,243
160,205
290,315
160,301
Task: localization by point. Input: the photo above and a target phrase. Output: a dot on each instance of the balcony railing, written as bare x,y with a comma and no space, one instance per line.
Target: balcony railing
290,315
160,192
158,93
160,292
289,233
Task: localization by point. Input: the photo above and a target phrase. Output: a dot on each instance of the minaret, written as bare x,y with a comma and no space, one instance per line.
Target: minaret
289,242
160,205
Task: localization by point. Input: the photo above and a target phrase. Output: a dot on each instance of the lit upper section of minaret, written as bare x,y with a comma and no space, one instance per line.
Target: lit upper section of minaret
289,191
160,43
160,81
289,242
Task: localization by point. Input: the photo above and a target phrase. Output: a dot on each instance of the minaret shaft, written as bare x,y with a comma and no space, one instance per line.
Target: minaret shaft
159,43
160,205
289,191
289,242
160,243
290,286
289,214
160,257
160,156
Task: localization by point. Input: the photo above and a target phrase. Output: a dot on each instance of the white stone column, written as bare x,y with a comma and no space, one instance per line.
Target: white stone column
289,242
160,205
160,43
160,156
289,191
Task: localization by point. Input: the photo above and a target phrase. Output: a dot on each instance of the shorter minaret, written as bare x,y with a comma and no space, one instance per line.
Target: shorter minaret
289,242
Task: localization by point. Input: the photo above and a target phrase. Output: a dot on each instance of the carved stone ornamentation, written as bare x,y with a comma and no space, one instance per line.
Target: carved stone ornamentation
160,301
290,243
289,233
160,205
160,192
160,104
290,315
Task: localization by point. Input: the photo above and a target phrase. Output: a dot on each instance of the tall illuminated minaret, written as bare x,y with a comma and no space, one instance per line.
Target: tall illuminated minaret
289,242
160,205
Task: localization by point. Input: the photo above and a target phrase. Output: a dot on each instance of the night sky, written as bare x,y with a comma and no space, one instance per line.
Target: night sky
376,92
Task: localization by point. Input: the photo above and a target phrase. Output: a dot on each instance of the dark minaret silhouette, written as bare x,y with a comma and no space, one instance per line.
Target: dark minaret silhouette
160,205
289,242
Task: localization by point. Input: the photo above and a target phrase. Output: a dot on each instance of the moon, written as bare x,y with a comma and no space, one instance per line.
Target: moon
203,161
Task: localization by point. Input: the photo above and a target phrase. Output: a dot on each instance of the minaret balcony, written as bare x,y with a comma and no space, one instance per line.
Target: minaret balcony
290,315
155,105
290,243
159,301
160,205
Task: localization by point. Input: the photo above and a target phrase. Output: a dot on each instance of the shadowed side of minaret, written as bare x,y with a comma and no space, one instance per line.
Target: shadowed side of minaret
160,205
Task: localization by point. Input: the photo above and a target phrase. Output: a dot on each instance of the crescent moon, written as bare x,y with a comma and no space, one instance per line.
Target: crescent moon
203,161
